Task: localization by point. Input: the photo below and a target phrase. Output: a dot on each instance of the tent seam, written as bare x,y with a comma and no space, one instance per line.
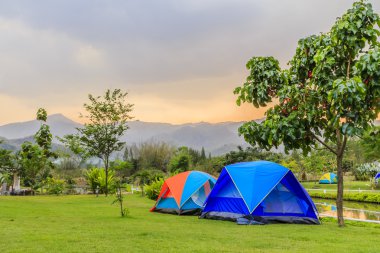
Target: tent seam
241,195
194,192
253,209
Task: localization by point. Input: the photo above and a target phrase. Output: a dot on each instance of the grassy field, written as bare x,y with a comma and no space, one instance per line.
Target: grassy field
90,224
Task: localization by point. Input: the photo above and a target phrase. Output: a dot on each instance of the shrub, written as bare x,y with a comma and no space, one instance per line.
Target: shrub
152,190
55,186
70,184
96,178
360,197
366,171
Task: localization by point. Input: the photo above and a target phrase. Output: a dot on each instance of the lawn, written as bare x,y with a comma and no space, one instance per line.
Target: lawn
348,185
90,224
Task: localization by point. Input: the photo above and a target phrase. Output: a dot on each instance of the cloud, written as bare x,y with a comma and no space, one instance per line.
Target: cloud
56,52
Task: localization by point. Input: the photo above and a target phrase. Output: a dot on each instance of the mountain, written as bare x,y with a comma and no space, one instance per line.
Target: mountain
59,126
218,138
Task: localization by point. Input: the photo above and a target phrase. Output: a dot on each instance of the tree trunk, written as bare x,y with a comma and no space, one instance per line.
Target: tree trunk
16,182
339,195
106,168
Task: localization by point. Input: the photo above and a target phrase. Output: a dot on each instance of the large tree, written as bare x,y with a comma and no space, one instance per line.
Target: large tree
331,91
106,122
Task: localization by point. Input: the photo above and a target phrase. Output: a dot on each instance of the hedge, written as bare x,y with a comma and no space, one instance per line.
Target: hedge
360,197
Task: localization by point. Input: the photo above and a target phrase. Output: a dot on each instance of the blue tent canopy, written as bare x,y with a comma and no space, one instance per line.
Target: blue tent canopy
377,177
260,190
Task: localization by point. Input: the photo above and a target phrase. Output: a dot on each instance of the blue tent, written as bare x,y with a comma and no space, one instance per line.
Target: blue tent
377,177
259,191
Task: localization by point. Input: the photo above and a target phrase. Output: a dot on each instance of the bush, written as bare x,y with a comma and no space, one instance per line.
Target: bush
55,186
96,178
366,171
70,184
360,197
152,190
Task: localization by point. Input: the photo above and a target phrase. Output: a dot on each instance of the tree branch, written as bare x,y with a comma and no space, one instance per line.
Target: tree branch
348,68
324,144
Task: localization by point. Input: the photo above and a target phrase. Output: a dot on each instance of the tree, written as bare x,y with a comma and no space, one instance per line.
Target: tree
203,154
35,159
180,162
106,118
331,91
152,154
7,164
370,143
6,161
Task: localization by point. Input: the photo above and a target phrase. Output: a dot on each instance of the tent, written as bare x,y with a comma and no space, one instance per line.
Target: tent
184,193
259,191
377,178
328,178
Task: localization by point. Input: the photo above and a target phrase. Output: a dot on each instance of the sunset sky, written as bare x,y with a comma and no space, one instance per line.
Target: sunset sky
179,60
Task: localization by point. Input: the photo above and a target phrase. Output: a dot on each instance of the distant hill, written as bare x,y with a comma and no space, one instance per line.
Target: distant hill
59,126
217,138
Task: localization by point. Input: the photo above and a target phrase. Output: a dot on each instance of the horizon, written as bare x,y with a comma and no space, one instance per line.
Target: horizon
179,61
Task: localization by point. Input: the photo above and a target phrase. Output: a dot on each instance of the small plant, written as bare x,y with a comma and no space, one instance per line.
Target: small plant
55,186
96,178
120,199
152,190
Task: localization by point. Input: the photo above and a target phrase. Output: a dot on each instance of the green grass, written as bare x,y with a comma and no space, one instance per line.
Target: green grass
348,185
90,224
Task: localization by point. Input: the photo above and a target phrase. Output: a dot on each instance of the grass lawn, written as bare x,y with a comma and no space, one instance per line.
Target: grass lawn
348,185
90,224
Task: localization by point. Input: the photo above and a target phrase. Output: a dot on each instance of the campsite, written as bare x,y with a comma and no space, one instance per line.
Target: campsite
190,126
74,223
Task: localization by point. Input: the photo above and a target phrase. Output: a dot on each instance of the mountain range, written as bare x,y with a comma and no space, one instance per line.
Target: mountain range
216,138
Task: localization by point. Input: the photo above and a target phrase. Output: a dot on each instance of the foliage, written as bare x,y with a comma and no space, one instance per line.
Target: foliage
330,92
371,144
7,161
213,165
122,169
320,161
3,178
34,160
70,184
96,179
35,167
55,186
251,154
180,161
147,176
360,197
107,122
151,155
68,164
153,189
366,171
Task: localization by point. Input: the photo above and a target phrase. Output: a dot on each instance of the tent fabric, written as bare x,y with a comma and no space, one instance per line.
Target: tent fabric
377,177
184,193
328,178
262,191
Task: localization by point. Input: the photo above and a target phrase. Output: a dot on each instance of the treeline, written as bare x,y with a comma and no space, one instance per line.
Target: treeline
89,158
